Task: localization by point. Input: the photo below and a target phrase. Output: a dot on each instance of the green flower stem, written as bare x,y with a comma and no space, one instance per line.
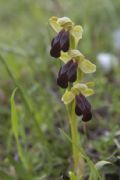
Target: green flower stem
77,158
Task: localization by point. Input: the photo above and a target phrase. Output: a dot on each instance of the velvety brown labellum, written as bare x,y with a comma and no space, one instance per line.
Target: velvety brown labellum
60,42
64,41
83,107
67,73
62,79
72,72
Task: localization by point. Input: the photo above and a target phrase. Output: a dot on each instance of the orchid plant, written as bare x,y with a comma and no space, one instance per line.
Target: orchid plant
70,77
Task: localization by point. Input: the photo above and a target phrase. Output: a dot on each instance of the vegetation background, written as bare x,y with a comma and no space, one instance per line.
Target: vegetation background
31,146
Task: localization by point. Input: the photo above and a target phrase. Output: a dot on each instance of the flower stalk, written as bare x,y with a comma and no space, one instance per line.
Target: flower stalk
77,158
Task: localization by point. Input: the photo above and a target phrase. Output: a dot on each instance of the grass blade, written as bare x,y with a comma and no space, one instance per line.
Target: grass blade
15,125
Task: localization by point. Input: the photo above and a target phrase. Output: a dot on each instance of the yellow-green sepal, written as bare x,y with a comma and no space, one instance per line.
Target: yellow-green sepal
68,97
87,67
88,92
77,33
54,24
90,84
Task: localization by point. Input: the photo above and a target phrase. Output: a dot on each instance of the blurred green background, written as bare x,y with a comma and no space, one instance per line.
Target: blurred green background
25,38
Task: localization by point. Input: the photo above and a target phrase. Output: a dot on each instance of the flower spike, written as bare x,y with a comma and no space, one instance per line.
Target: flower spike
64,46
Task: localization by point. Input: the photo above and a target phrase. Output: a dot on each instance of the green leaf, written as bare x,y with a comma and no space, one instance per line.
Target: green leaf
87,67
100,164
14,118
4,176
15,126
20,168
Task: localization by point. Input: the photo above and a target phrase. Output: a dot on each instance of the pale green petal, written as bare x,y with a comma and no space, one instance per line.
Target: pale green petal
64,57
90,84
88,92
82,88
87,67
75,53
68,97
77,33
64,21
79,87
55,25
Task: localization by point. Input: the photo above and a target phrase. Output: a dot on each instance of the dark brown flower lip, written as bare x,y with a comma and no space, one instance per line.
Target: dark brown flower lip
72,72
64,41
55,52
60,42
62,79
83,107
67,73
